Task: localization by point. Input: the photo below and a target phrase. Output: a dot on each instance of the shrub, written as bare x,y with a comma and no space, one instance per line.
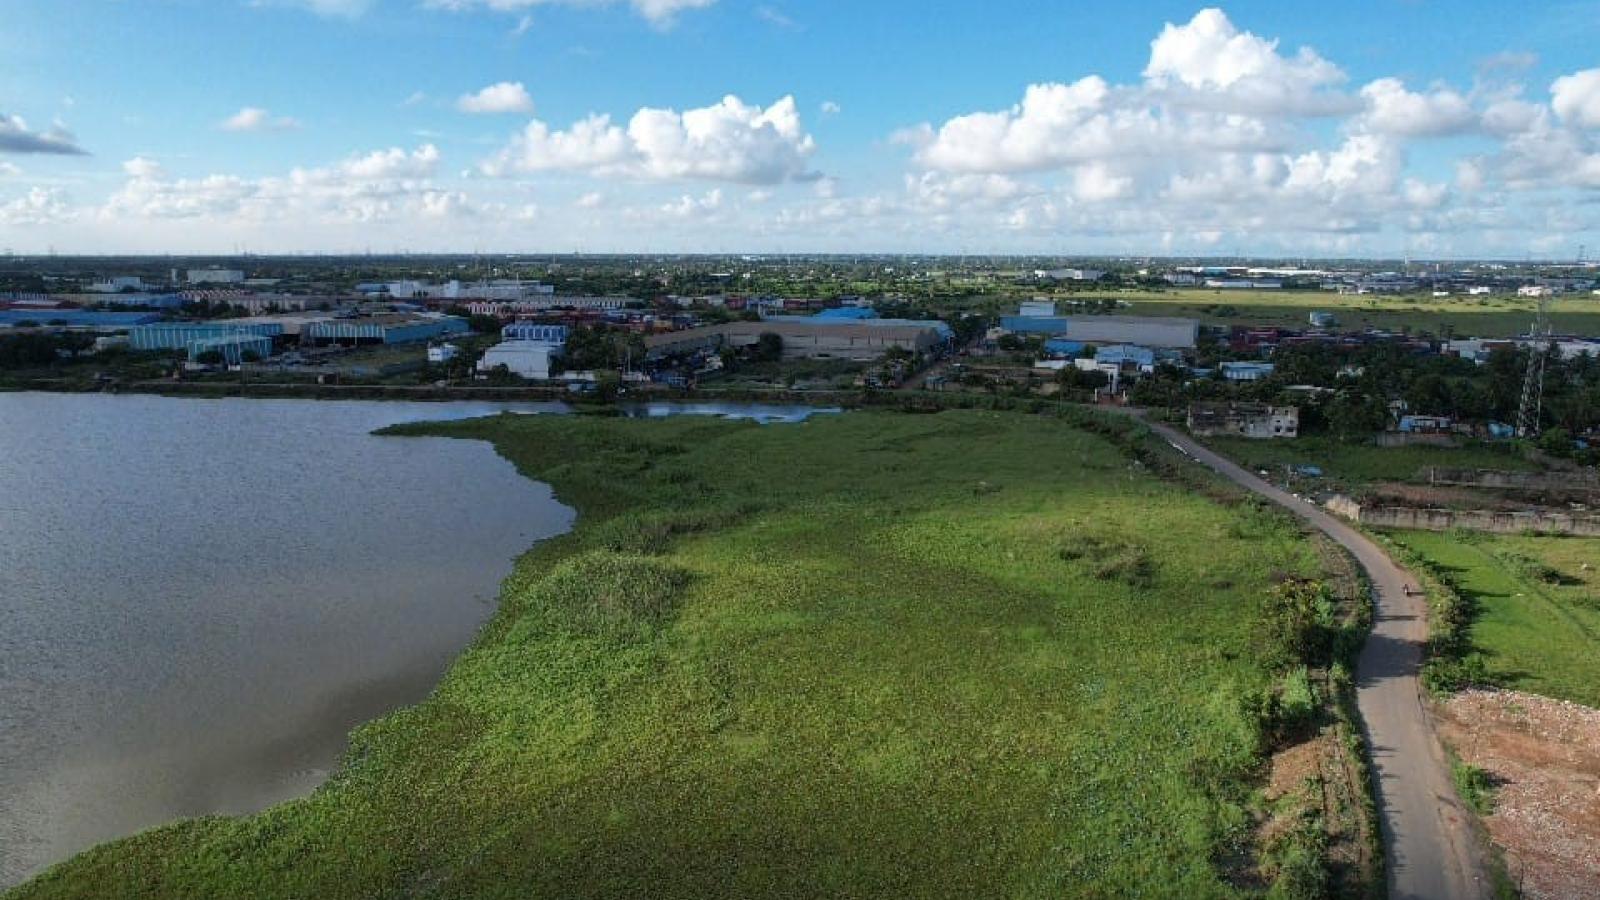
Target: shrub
1297,623
1475,786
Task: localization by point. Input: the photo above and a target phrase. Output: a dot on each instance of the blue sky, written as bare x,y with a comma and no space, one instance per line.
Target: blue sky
1405,126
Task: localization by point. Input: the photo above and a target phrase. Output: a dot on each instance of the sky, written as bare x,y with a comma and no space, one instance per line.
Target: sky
1384,128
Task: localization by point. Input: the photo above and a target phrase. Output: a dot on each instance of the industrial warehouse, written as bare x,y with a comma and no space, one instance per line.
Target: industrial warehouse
811,337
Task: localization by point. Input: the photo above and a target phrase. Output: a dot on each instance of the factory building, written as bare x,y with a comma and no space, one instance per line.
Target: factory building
182,335
116,284
74,318
394,329
215,276
1146,331
235,349
533,331
530,359
810,337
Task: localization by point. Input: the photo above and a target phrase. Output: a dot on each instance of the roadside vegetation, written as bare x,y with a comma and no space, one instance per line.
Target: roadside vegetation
877,654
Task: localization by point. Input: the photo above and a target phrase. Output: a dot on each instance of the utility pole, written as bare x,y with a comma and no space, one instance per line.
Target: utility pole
1532,406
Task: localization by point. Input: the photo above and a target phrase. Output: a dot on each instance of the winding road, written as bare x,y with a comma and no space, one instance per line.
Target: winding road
1428,837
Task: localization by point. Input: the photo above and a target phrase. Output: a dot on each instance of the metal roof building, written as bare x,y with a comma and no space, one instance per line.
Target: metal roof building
234,347
533,331
809,337
179,335
1145,331
76,318
383,329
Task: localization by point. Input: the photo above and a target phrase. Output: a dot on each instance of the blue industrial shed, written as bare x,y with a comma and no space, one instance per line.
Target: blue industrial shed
533,331
388,330
180,335
1063,348
1126,355
77,318
848,312
233,347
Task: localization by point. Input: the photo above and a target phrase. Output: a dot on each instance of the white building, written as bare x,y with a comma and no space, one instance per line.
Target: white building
1479,290
1534,290
443,353
117,284
1037,308
1068,274
529,359
216,276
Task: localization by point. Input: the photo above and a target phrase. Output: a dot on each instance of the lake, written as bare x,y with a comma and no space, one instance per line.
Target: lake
200,598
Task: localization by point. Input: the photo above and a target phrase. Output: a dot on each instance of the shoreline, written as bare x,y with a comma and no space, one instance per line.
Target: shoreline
426,393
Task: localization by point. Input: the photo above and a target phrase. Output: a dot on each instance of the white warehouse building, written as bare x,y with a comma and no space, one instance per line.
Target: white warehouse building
529,359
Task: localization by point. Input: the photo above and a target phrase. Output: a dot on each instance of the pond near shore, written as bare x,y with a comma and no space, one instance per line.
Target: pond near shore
200,598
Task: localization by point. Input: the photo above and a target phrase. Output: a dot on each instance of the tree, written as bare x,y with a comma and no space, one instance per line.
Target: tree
768,347
209,358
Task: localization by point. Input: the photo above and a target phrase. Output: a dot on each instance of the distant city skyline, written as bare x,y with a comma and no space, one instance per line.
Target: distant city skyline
1382,128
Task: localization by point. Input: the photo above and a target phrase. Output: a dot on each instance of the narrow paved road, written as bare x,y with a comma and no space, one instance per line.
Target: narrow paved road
1427,835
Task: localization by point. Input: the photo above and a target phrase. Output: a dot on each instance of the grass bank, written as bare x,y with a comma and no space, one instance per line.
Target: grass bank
1533,610
882,654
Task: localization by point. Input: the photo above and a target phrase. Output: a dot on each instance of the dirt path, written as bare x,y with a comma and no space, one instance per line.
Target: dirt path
1430,847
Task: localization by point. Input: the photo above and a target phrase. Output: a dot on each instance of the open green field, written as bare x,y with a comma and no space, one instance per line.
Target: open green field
1537,620
875,654
1463,317
1348,466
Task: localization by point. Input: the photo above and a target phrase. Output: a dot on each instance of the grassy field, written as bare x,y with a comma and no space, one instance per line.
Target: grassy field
1496,316
1348,466
1537,611
877,654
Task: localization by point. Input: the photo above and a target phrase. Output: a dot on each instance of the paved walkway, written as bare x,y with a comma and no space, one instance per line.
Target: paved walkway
1428,837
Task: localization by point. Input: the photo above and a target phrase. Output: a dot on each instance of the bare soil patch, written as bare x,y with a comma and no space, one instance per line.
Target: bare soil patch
1543,756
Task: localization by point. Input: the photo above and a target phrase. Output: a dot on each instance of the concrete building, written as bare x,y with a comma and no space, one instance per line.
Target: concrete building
1035,309
215,276
1165,332
1534,290
443,353
1323,320
529,359
810,337
1252,420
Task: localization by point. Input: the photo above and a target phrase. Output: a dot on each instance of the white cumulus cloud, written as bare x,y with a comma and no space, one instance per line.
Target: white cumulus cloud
729,141
1391,109
1576,98
256,119
504,97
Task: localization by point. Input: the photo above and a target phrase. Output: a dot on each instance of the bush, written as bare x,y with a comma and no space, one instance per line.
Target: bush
1475,786
1297,624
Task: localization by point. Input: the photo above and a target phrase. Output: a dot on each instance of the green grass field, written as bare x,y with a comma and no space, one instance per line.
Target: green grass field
1348,466
1538,611
1495,316
876,654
